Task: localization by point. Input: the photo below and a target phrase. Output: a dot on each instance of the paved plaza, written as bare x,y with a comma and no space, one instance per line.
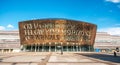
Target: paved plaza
55,58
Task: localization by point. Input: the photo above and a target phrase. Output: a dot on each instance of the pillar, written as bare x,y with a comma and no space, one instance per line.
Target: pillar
2,50
31,47
38,47
9,50
67,46
24,47
77,47
49,46
80,48
35,47
55,46
73,47
61,48
89,48
42,47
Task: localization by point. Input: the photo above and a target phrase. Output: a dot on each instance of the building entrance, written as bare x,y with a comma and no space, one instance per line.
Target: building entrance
56,47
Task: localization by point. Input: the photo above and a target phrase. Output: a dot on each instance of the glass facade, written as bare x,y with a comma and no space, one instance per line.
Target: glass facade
56,48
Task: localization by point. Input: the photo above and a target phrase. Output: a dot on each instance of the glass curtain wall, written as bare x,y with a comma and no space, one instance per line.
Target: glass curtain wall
56,47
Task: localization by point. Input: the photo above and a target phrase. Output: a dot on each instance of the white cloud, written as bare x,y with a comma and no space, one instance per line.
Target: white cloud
112,31
10,26
2,28
113,1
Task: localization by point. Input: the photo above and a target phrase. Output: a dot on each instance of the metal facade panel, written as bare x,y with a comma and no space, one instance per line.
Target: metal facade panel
56,30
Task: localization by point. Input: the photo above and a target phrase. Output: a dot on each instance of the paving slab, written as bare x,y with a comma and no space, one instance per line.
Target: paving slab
76,64
24,59
55,58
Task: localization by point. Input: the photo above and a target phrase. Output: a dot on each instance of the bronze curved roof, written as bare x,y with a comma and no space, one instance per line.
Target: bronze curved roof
57,30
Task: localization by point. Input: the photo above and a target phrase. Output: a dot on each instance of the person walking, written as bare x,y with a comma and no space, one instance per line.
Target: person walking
115,55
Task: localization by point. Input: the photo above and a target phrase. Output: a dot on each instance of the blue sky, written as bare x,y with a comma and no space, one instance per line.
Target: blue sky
104,13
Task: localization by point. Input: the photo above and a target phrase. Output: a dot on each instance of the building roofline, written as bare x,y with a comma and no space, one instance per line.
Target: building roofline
59,19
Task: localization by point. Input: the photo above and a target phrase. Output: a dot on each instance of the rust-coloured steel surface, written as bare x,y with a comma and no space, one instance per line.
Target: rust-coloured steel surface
56,30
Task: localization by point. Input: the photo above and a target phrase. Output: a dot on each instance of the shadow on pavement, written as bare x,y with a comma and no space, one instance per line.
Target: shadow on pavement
104,57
